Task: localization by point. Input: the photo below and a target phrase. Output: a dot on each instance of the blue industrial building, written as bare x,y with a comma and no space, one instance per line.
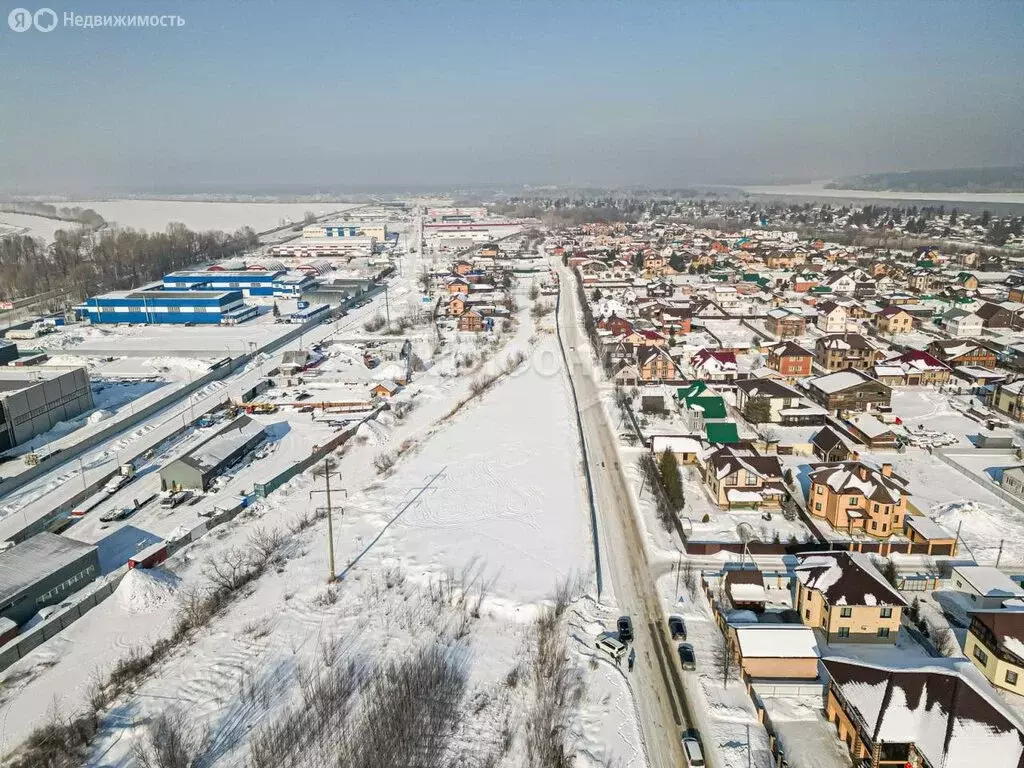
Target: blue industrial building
250,283
156,306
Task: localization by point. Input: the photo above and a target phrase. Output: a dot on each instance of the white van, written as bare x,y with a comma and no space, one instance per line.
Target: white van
611,645
692,750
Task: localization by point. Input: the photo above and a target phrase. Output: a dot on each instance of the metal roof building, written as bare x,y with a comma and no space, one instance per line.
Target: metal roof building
197,468
43,571
33,401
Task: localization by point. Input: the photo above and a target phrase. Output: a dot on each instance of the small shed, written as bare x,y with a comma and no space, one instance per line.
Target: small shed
746,589
829,446
385,389
985,585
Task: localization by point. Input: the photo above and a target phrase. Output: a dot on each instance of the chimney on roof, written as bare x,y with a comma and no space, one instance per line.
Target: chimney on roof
887,470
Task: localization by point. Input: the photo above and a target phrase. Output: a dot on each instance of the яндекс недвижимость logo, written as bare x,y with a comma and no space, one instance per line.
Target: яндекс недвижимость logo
22,19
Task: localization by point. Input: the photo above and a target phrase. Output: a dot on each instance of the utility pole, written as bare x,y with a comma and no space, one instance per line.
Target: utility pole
387,305
999,555
332,573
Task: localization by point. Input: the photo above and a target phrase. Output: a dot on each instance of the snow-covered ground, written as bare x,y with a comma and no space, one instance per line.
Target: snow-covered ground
33,226
155,215
492,490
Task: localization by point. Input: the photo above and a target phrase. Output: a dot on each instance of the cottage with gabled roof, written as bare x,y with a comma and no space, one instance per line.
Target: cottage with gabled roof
995,644
844,595
739,478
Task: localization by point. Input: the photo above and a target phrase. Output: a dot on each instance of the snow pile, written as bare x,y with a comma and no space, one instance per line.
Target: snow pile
144,589
389,372
99,415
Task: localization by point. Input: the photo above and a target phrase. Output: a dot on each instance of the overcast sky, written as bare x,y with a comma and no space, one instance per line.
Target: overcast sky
564,92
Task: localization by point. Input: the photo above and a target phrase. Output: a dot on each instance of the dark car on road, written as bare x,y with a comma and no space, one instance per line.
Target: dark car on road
677,627
625,627
686,656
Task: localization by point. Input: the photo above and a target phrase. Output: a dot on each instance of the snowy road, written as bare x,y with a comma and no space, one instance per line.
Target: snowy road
658,685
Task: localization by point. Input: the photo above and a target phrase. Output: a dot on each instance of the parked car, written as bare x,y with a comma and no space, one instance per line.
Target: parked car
625,627
677,627
611,645
117,513
686,656
171,500
692,749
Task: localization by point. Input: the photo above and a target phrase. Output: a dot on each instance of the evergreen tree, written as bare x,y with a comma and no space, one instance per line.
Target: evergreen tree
668,468
277,311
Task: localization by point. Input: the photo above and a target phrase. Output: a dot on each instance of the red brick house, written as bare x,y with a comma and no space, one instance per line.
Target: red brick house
791,360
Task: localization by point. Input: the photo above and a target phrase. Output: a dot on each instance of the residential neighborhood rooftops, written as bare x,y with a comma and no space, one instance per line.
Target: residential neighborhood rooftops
839,381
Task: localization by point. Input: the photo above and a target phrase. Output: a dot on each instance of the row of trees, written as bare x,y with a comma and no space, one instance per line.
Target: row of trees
83,264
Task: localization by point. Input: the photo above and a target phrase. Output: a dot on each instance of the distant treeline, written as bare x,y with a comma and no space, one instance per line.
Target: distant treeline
951,180
84,263
87,217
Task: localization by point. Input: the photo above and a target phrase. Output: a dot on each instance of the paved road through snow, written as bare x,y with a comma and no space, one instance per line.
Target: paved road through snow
661,701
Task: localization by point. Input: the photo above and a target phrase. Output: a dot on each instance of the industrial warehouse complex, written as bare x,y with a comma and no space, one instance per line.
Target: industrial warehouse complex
41,571
32,402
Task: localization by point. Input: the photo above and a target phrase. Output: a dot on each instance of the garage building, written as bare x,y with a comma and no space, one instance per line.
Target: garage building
196,469
42,571
33,401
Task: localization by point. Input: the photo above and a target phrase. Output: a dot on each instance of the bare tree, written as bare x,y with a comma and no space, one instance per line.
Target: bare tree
172,740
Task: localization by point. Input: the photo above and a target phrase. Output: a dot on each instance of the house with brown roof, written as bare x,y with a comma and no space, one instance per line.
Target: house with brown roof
829,446
850,390
995,316
739,478
791,360
840,351
854,497
930,717
961,352
893,320
844,595
995,644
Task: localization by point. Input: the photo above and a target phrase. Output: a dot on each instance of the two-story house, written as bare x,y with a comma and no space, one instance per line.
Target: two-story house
714,365
913,368
837,352
844,595
791,360
855,497
739,478
961,324
785,323
770,401
995,643
963,352
831,317
894,320
1009,399
850,390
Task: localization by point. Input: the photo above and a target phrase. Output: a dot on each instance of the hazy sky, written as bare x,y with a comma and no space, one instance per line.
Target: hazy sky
590,92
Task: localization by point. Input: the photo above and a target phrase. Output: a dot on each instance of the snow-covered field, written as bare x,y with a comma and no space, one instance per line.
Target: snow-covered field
155,215
34,226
